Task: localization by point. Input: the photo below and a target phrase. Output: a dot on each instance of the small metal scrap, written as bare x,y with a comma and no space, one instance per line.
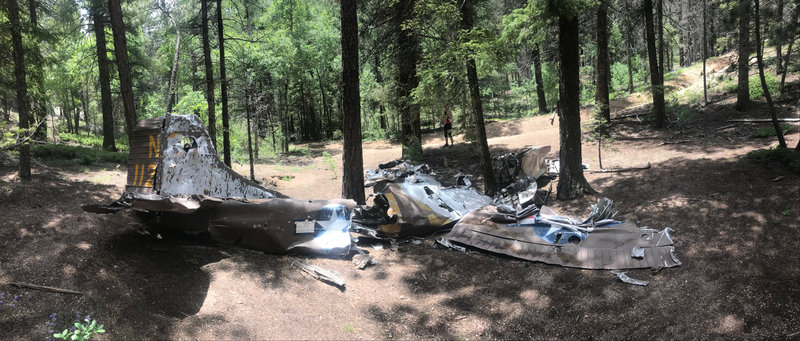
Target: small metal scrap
446,243
362,261
321,274
623,277
637,252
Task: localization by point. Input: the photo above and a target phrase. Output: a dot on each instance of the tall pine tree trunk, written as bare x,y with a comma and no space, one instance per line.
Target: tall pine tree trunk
743,90
212,114
760,60
173,72
629,43
537,75
489,184
571,182
109,142
223,85
601,99
352,158
705,55
656,81
22,88
123,66
406,58
37,99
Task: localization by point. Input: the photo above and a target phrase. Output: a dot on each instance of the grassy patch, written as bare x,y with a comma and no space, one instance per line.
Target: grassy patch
770,131
84,155
785,157
756,91
94,141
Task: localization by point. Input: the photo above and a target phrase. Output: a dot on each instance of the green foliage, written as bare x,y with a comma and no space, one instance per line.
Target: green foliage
83,331
330,162
757,91
783,156
770,131
84,155
94,140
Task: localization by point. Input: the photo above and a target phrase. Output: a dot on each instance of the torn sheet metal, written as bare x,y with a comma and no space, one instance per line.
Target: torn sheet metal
623,277
414,203
528,162
174,173
588,244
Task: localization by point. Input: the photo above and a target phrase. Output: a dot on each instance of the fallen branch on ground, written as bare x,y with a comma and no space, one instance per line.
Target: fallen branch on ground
725,127
45,288
764,120
618,170
674,142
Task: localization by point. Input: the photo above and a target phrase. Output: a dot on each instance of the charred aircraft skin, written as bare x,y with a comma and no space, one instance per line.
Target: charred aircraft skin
175,174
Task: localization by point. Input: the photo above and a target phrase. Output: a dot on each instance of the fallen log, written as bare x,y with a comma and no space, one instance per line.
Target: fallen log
764,120
45,288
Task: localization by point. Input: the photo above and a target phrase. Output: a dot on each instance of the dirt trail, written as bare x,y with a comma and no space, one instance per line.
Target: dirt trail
736,228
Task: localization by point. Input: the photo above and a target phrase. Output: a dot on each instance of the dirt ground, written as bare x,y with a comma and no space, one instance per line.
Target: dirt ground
736,231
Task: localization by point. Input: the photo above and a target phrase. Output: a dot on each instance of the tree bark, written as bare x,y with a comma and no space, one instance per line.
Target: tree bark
571,182
489,183
223,85
601,99
109,142
212,119
656,82
248,107
792,33
760,58
77,112
660,16
173,72
123,66
407,81
779,39
352,158
537,75
705,55
379,81
743,90
629,44
37,100
22,89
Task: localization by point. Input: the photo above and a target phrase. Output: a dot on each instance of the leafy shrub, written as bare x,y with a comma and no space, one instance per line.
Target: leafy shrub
783,156
81,331
85,155
756,91
770,131
94,140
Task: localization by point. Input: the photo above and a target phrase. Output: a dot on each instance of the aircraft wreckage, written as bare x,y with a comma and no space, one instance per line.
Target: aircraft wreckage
176,179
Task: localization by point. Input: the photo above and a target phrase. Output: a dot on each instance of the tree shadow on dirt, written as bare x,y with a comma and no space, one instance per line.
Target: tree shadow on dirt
735,232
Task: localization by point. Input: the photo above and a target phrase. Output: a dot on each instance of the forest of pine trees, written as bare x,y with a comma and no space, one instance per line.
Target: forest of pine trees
267,74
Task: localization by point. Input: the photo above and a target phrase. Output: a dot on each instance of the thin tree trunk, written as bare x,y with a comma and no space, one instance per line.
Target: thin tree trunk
38,105
6,113
656,82
173,72
792,33
537,75
743,89
379,80
77,112
105,79
123,66
226,141
248,108
22,88
660,16
489,183
407,81
603,68
705,55
571,182
629,44
212,119
760,59
779,39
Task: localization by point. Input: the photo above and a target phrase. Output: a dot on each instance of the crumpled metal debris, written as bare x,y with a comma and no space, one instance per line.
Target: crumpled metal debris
410,201
623,277
596,242
174,174
319,273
